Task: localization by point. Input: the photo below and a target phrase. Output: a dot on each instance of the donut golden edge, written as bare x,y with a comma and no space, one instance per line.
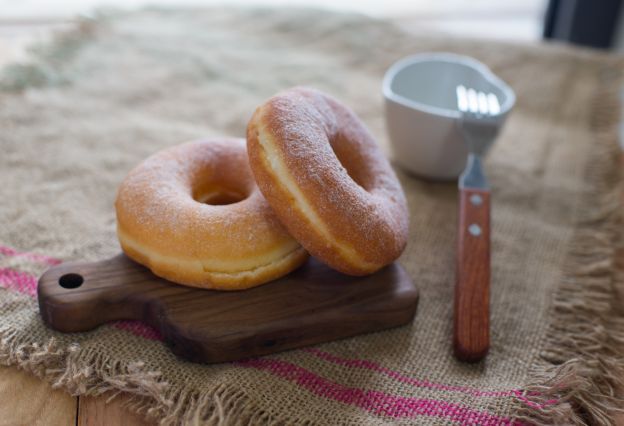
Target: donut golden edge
341,252
312,213
192,273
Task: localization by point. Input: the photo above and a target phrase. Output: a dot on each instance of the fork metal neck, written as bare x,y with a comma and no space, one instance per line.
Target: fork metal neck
473,176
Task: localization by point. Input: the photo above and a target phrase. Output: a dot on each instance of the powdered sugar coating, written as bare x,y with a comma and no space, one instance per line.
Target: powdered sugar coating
327,180
160,219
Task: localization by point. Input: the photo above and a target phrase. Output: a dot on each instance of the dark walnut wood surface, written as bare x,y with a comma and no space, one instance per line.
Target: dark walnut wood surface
311,305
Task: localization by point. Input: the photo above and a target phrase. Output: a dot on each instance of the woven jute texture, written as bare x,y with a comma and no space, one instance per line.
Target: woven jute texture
102,98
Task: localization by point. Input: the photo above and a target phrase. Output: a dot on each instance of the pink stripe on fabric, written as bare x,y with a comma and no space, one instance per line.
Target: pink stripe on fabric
140,329
536,405
26,283
22,282
373,366
8,251
376,402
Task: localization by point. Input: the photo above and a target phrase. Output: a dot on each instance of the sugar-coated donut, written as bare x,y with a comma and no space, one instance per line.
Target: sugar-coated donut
194,215
323,174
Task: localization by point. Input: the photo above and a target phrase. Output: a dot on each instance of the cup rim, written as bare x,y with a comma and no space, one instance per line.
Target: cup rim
510,96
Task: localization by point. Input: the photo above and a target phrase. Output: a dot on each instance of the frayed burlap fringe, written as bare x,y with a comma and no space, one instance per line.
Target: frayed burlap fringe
580,377
84,372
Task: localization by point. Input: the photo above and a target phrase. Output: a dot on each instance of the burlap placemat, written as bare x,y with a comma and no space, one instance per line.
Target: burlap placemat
122,87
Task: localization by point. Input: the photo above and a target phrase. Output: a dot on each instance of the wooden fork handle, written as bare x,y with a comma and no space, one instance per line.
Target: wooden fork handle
472,289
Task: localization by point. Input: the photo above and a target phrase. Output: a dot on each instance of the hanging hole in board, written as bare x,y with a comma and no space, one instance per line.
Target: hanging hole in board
71,280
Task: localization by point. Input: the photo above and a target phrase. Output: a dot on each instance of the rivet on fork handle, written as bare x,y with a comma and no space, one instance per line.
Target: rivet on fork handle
472,290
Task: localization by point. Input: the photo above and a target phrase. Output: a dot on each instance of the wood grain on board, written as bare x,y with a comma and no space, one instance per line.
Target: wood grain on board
311,305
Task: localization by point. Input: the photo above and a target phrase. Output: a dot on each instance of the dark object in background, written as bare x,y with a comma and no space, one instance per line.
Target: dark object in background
585,22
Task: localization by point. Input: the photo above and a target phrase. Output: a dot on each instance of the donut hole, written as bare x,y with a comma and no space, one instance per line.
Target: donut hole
351,159
218,196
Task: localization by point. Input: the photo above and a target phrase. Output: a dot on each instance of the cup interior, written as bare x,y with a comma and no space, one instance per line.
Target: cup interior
428,82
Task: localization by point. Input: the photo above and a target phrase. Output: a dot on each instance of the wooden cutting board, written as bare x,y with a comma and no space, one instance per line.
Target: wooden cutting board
311,305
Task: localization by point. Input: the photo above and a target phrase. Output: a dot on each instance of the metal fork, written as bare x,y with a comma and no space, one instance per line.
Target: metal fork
479,123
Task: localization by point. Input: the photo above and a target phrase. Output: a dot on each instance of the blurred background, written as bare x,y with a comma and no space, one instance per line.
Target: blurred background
595,23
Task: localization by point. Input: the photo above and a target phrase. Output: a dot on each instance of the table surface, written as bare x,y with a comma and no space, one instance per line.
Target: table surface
26,399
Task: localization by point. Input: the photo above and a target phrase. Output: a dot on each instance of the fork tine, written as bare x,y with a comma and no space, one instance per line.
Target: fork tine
473,102
462,98
483,103
469,100
493,104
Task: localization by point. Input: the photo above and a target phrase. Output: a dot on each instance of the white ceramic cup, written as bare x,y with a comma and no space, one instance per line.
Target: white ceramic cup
421,110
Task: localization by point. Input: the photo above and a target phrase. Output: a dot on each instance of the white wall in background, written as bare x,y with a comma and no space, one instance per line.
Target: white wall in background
429,8
496,19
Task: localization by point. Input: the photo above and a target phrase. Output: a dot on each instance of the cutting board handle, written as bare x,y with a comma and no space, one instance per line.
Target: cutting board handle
81,296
